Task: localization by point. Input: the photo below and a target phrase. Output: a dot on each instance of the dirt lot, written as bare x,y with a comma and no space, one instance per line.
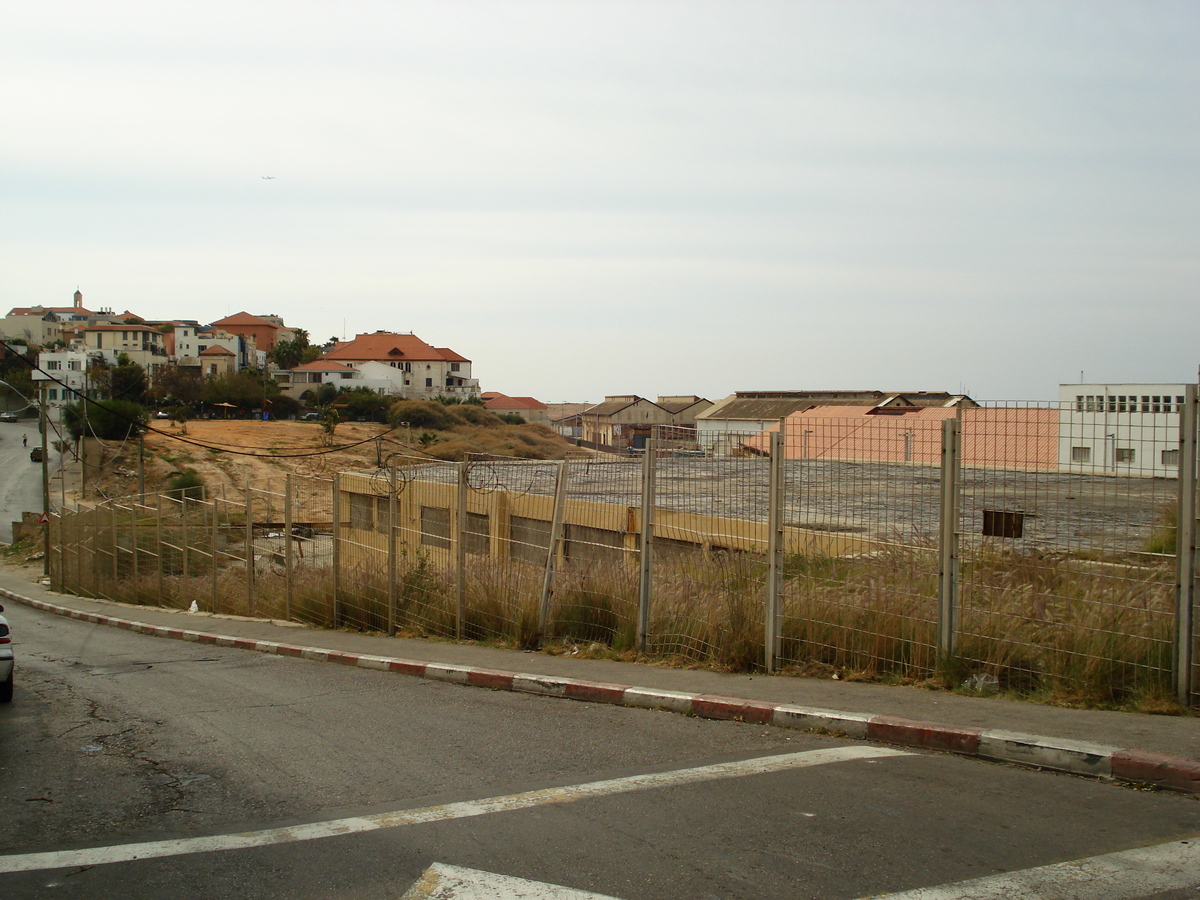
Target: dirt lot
237,452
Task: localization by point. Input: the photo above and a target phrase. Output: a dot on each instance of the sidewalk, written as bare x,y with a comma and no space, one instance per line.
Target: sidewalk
1134,747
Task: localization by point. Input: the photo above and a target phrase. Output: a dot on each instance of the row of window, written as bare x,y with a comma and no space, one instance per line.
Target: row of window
1125,456
55,365
1127,403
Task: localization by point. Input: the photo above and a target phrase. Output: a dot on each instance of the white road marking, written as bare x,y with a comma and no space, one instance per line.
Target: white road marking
1126,875
96,856
442,882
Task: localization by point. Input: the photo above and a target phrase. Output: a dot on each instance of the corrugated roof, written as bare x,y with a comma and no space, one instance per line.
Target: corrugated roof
754,410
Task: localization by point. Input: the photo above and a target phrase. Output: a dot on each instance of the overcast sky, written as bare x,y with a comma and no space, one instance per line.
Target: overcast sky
590,198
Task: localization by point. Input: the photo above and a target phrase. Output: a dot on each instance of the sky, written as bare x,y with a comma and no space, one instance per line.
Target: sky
594,198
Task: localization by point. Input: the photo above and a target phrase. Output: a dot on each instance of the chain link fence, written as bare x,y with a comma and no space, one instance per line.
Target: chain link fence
1018,548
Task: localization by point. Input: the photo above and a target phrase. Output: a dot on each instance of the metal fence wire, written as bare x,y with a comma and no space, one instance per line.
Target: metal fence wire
1032,547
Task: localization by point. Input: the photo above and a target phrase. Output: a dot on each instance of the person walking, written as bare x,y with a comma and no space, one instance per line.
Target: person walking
24,440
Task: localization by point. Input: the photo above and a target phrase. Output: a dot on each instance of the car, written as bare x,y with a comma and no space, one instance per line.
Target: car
8,417
162,415
6,661
35,454
311,417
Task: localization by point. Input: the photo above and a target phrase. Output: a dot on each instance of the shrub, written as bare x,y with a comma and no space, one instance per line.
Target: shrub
187,484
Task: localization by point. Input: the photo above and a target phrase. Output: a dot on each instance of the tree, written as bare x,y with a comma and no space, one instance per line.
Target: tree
127,382
246,390
289,354
109,420
179,384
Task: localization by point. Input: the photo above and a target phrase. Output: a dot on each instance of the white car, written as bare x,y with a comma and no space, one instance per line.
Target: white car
6,661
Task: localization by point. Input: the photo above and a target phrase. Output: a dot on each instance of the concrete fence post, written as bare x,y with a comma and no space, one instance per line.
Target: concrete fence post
555,547
133,534
114,588
158,540
646,547
337,549
287,545
249,538
948,534
1185,552
772,632
391,550
216,531
460,551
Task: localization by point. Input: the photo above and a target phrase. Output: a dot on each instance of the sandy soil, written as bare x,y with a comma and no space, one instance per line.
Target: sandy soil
237,452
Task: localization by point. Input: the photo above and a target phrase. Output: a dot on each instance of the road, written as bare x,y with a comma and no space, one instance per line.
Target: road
20,479
268,776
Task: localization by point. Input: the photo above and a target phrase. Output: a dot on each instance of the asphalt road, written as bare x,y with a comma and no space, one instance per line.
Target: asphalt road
20,479
116,738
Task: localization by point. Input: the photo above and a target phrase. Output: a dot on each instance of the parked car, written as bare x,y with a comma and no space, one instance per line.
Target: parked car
311,417
8,417
6,661
36,454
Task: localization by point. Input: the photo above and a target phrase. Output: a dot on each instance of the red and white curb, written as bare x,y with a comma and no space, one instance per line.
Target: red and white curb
1059,754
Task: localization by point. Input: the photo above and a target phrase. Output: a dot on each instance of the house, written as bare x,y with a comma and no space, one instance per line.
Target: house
264,331
306,379
1120,429
622,422
725,424
63,374
527,408
420,371
192,340
140,343
42,325
216,361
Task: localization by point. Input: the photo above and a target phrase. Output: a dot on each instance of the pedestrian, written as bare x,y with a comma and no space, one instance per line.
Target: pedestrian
24,440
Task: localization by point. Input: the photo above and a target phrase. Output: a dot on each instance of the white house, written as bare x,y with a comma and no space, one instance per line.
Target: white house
64,372
1122,429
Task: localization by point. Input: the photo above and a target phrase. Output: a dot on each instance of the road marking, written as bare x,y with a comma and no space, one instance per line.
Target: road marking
442,882
1126,875
97,856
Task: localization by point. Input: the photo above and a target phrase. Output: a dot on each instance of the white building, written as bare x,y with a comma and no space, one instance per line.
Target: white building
1123,429
64,372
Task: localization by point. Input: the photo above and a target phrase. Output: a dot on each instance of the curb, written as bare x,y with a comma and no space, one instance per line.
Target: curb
1029,750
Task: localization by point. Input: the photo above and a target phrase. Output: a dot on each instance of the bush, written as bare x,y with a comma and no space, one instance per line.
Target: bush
187,485
422,414
109,420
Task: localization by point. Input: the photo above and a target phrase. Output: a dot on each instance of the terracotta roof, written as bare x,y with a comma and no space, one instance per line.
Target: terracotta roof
385,346
244,318
319,365
42,310
217,350
493,400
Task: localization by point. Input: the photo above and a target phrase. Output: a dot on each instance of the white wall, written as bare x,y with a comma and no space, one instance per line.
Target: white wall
1123,429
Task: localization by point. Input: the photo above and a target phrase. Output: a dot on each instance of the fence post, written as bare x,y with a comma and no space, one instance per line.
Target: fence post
460,551
249,550
556,531
337,549
133,533
391,550
216,530
287,545
158,550
1185,550
183,542
116,554
772,633
948,541
646,547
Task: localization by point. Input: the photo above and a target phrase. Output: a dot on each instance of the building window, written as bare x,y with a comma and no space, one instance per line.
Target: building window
361,512
1081,454
73,365
54,394
1145,404
435,526
1121,403
1079,403
1124,454
453,367
428,382
1170,458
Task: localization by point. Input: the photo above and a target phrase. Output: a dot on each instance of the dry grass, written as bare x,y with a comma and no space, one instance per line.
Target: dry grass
1049,627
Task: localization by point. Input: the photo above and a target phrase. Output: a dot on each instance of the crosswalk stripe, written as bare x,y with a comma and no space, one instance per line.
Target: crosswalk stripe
96,856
